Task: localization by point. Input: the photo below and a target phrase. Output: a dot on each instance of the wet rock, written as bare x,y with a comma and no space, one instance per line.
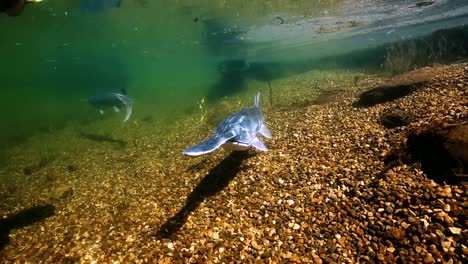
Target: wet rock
71,168
62,192
446,246
455,230
428,259
447,207
395,118
51,174
398,233
396,88
389,209
441,150
413,220
28,170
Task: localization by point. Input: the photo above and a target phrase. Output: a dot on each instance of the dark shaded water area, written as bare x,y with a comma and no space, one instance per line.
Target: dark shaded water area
169,56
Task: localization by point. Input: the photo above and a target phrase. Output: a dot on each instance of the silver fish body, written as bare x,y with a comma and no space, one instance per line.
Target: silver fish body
115,100
237,132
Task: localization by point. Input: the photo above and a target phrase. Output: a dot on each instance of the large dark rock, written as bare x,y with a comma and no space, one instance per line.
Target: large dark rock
442,151
395,118
386,93
397,87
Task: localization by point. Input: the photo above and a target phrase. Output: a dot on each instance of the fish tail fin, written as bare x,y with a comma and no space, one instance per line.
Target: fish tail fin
257,99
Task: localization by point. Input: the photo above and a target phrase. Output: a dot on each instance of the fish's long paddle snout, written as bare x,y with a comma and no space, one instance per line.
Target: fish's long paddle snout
204,147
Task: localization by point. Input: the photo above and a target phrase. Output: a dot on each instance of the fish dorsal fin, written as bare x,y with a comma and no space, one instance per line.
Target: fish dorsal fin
259,144
257,99
264,131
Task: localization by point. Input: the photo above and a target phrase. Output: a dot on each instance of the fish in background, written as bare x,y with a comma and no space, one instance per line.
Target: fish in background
114,100
96,7
237,132
15,7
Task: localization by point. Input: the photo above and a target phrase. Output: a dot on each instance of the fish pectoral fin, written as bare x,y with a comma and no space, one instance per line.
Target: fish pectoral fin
116,109
129,110
101,111
207,146
264,131
128,103
258,144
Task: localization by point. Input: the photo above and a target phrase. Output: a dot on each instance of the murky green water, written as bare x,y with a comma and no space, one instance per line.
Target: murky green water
169,55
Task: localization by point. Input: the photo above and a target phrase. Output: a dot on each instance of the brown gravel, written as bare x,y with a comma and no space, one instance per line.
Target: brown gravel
322,194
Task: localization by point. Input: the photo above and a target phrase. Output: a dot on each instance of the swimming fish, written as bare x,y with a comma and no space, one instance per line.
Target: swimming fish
237,132
115,100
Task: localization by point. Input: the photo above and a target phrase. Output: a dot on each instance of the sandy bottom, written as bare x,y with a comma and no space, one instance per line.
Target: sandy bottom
113,193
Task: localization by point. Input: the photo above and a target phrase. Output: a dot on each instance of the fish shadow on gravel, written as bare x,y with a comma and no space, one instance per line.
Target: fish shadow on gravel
23,218
118,143
215,181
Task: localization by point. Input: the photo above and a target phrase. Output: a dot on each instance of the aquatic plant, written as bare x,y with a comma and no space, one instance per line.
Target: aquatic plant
400,57
439,47
203,109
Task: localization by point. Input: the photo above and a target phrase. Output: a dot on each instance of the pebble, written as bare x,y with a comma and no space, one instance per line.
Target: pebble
62,192
440,234
397,233
404,225
446,245
381,218
389,209
413,220
447,207
455,230
428,259
418,249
